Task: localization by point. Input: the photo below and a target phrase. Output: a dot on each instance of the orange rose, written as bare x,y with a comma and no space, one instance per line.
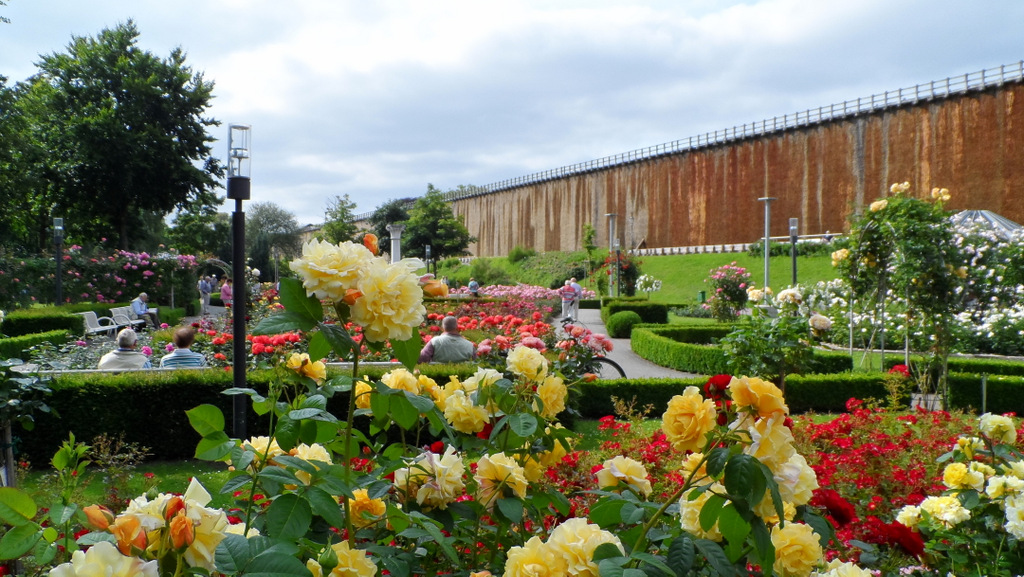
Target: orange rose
129,534
99,517
370,242
435,288
183,532
762,396
174,505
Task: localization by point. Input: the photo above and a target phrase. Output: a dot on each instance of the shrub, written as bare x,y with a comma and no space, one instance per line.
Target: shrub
15,347
649,312
31,321
486,273
519,253
729,285
620,324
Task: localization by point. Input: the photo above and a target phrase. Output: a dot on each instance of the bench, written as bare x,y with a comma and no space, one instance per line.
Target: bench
95,325
125,317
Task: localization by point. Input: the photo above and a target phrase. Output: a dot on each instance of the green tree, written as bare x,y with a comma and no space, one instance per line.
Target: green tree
269,227
125,133
432,222
338,226
200,230
391,212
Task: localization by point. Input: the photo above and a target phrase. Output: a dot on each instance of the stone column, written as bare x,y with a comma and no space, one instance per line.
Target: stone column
395,230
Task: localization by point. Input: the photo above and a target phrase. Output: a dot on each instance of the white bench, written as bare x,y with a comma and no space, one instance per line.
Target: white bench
95,325
125,317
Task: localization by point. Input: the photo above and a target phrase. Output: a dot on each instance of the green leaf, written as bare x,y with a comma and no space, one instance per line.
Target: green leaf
403,412
214,447
287,433
289,517
206,419
16,507
609,568
607,512
608,551
743,478
440,539
339,339
710,511
283,476
717,459
318,347
324,505
235,483
300,414
735,529
681,554
422,404
232,554
523,424
277,564
283,322
512,509
715,556
653,561
408,351
18,541
294,299
763,545
820,525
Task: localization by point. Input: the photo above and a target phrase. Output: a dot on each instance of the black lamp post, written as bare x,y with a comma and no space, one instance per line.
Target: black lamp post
793,226
239,189
58,241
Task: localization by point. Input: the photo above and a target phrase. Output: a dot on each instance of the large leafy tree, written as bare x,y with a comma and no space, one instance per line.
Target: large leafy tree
391,212
339,225
269,227
201,230
125,132
432,222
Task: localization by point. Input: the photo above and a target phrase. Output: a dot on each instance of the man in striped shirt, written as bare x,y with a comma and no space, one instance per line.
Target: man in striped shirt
182,357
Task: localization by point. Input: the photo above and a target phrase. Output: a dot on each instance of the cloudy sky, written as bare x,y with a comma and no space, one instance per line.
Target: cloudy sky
375,99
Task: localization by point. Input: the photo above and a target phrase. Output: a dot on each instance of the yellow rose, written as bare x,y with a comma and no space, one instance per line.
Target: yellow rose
1015,468
463,414
401,378
444,482
392,302
1002,485
624,470
797,550
941,194
909,516
689,514
766,510
796,479
970,445
695,468
296,360
328,270
771,441
316,370
837,568
552,393
311,454
351,563
104,560
527,363
575,540
755,295
535,559
554,456
363,391
879,205
428,386
688,419
498,475
763,397
482,378
958,476
839,256
899,187
210,529
364,510
999,428
945,509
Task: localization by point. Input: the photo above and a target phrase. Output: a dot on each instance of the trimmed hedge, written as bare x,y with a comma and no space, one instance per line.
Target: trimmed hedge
15,347
31,321
649,312
621,324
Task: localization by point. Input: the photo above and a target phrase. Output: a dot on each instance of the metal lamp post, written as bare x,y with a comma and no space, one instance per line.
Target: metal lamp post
426,252
767,232
277,280
611,241
58,241
239,189
618,269
794,224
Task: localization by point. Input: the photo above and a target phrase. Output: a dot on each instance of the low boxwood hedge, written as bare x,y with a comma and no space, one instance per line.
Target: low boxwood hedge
15,347
649,312
31,321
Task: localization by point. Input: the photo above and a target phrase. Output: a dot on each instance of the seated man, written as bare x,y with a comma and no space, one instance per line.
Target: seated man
142,310
182,357
125,356
449,346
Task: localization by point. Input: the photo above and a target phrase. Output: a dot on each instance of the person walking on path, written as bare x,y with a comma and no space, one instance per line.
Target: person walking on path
449,346
576,299
568,296
182,357
474,287
226,293
140,306
205,287
125,357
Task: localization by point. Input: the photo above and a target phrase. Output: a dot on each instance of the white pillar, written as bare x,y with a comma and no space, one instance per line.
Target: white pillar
395,230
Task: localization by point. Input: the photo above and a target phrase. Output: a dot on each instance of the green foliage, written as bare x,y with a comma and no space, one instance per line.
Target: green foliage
620,324
432,222
769,347
268,227
623,270
487,272
21,396
518,253
728,286
200,229
17,347
395,211
338,225
649,312
785,249
31,321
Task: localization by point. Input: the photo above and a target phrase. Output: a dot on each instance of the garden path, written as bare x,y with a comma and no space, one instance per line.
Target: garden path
636,367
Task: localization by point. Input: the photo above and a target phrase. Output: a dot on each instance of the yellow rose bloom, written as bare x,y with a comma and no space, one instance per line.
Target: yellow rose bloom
392,303
296,360
575,540
689,515
428,386
771,441
552,393
104,560
763,397
796,479
210,529
482,378
259,446
554,456
527,363
1016,468
941,194
970,445
945,509
999,428
363,390
839,256
364,510
959,476
351,563
498,475
1004,485
879,205
534,559
688,419
755,295
444,483
402,379
899,187
797,550
328,270
464,415
624,470
766,510
909,516
310,453
695,468
837,568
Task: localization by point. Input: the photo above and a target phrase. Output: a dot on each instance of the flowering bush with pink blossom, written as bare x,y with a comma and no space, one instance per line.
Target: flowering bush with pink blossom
729,284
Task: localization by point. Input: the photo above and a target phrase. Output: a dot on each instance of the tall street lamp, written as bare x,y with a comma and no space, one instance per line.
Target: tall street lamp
767,232
58,241
794,224
239,189
427,255
611,242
